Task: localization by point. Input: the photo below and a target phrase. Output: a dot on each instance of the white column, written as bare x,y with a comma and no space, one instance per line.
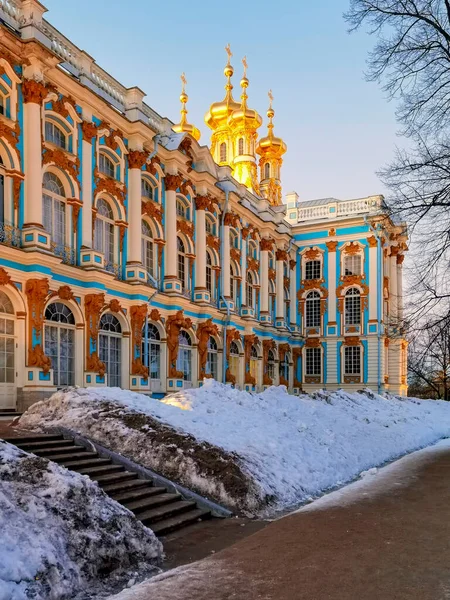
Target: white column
89,131
136,158
172,183
373,278
393,296
293,293
264,275
279,289
244,271
332,245
200,248
34,94
226,261
400,259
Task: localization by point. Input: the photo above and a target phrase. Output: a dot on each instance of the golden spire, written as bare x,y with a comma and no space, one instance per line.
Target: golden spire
183,126
216,117
270,114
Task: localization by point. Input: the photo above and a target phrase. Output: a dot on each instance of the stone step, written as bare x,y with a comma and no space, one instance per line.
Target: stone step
76,465
57,450
164,512
42,444
62,458
33,438
99,469
165,526
125,485
113,477
136,494
143,504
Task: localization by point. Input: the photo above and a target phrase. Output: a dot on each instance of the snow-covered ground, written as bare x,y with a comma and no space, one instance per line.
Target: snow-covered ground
61,537
276,450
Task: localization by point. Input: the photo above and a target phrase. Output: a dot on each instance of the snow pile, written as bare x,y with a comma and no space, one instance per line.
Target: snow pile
271,451
60,535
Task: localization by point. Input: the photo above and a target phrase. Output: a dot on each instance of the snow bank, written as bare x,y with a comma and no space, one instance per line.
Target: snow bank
60,534
276,450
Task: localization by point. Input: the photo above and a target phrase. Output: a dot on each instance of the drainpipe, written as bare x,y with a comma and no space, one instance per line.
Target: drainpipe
379,304
227,186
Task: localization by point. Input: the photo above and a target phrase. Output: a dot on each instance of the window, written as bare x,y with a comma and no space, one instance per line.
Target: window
352,360
54,135
184,359
210,227
223,152
250,291
2,105
241,146
146,189
109,342
254,363
151,351
7,344
352,265
148,254
353,307
284,367
181,209
211,361
312,269
181,262
232,284
104,231
209,277
54,209
234,360
313,362
59,342
234,240
106,166
253,252
271,365
312,305
267,171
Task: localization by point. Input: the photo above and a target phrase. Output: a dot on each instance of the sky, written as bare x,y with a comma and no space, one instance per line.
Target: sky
339,128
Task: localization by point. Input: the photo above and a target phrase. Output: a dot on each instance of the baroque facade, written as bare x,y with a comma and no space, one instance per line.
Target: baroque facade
133,256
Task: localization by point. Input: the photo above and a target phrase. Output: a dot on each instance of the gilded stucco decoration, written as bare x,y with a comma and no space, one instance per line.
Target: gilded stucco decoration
36,291
137,159
152,210
93,306
172,182
204,332
138,315
249,341
61,159
110,186
186,227
34,91
174,324
89,131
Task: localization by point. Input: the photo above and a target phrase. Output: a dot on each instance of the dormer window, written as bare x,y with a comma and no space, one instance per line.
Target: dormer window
223,152
106,166
54,135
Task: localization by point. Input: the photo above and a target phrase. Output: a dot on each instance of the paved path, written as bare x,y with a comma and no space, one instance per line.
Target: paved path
384,538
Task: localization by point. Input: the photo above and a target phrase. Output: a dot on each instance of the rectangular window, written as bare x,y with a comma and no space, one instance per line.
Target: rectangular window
106,166
54,135
352,265
352,360
312,269
211,365
313,362
47,213
181,270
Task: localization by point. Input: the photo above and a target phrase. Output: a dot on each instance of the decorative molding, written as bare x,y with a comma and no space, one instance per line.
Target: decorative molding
252,264
372,241
59,105
12,136
231,220
36,291
150,167
137,319
5,277
152,210
352,249
213,242
312,254
64,293
312,342
174,324
114,306
400,259
110,186
235,254
93,306
173,182
281,255
204,332
76,206
283,349
155,315
352,340
34,91
185,147
266,244
186,227
61,159
136,159
332,231
332,245
89,131
272,274
292,264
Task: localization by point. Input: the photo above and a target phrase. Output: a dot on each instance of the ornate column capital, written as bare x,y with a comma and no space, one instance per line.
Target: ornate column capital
332,246
34,91
292,264
172,182
89,131
137,159
266,244
281,255
372,241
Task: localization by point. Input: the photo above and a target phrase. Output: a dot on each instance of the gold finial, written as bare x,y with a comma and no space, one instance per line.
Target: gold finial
183,126
184,82
270,98
228,51
244,62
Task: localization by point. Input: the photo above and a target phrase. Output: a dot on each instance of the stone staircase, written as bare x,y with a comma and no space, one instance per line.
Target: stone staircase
8,414
155,506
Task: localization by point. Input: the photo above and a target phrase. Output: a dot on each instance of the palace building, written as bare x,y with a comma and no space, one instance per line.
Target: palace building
134,255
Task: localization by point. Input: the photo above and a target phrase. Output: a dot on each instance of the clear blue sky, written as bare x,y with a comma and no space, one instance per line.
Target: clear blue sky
339,129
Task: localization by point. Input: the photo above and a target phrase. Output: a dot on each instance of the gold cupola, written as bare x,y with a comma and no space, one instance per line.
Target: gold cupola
183,126
271,150
217,119
244,123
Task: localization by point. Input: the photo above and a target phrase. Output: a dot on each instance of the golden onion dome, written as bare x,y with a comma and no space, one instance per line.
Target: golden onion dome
271,145
183,126
244,115
218,113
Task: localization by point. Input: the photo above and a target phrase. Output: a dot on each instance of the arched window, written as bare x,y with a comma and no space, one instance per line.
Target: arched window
254,362
312,269
284,368
106,165
181,262
352,360
250,290
210,226
55,135
151,351
7,351
209,275
267,171
109,342
211,361
59,344
104,231
352,265
223,152
241,146
353,307
148,249
184,359
146,189
234,239
181,209
312,318
234,360
271,364
54,209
